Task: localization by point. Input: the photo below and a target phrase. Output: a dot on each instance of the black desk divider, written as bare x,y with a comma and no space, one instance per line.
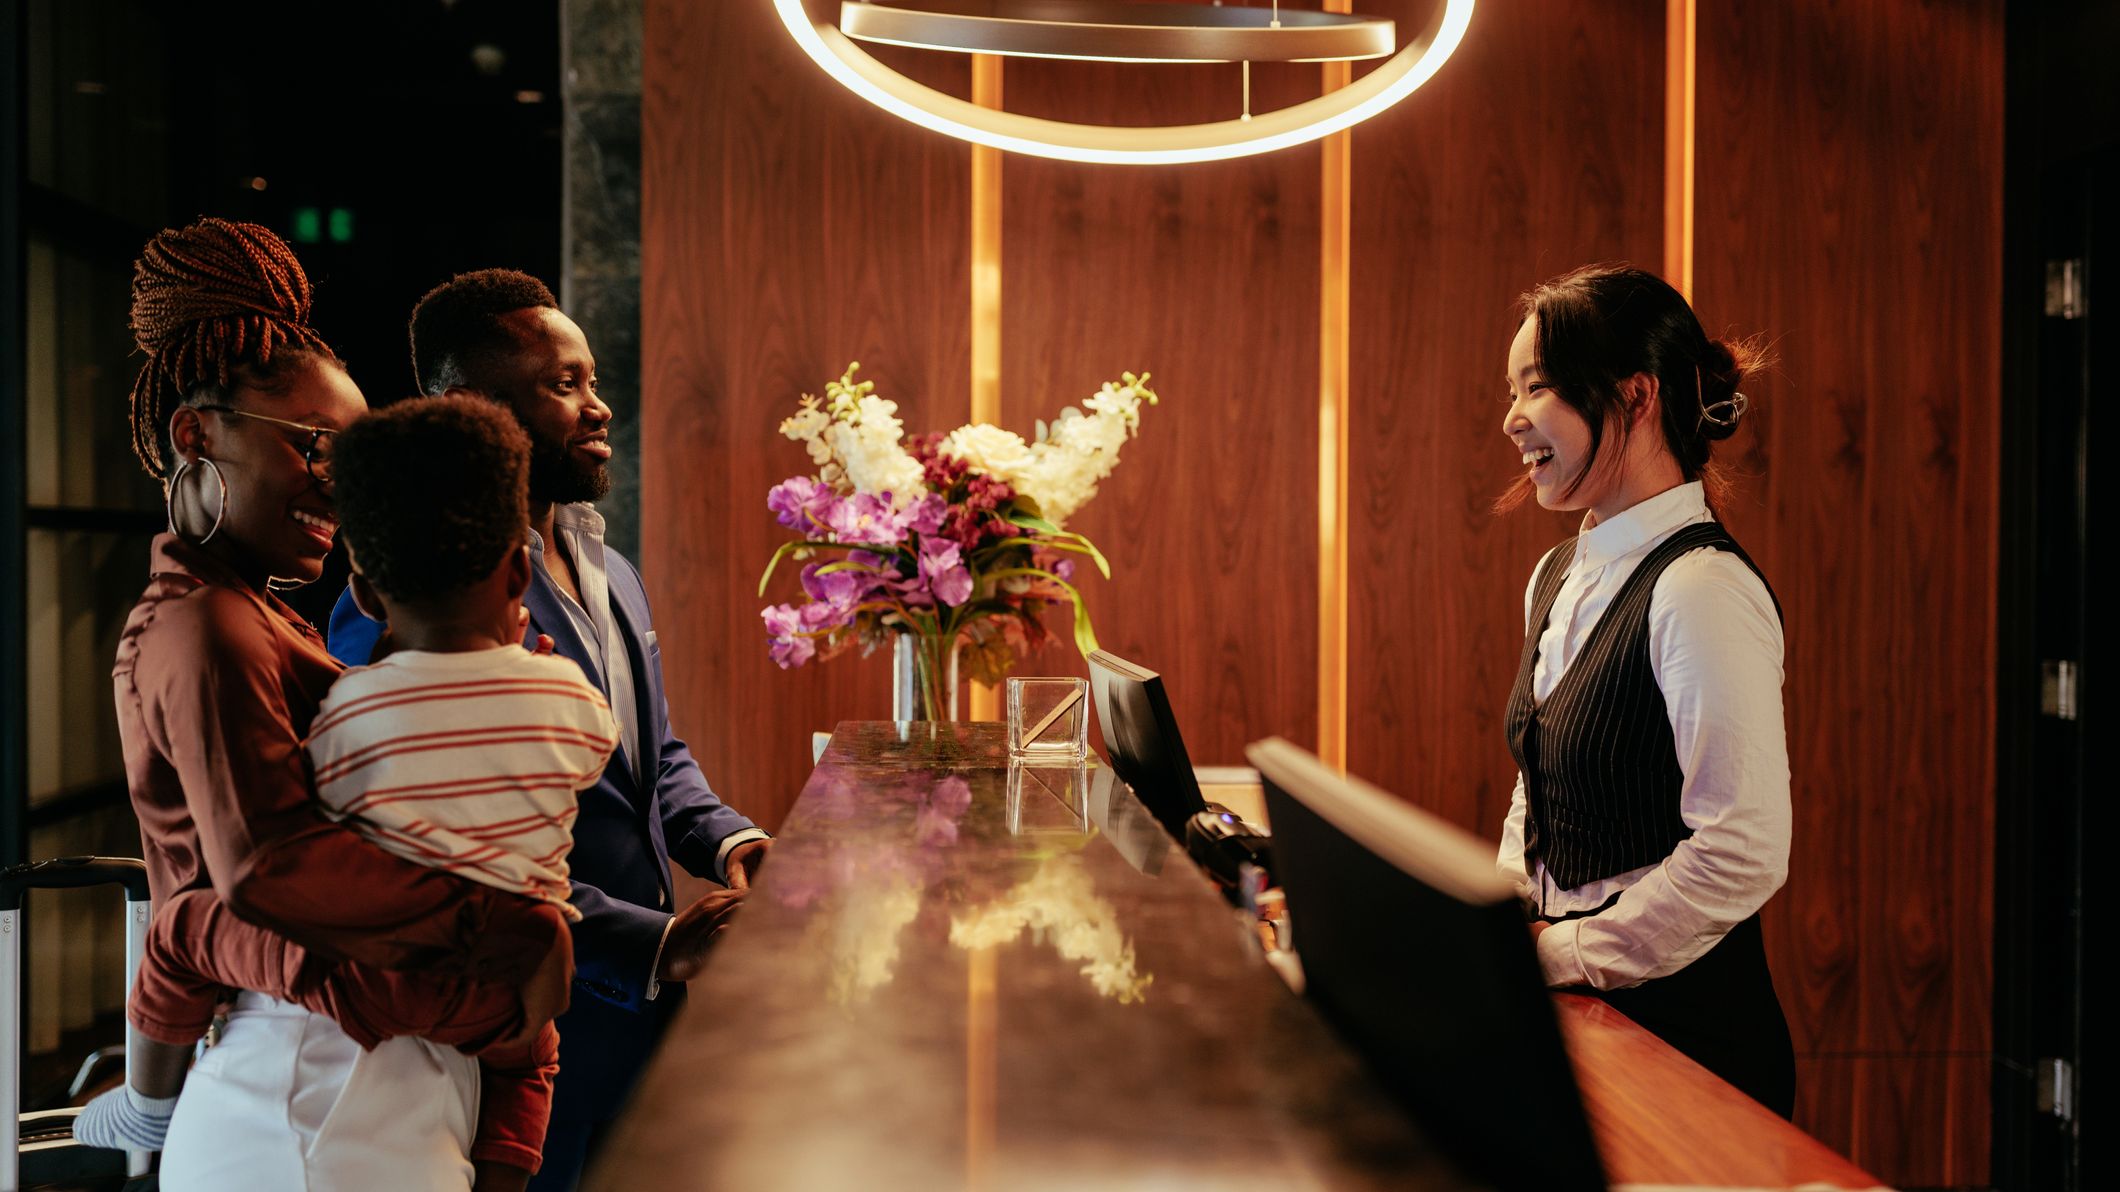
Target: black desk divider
1418,953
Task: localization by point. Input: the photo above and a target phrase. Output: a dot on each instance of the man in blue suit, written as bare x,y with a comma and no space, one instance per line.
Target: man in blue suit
498,334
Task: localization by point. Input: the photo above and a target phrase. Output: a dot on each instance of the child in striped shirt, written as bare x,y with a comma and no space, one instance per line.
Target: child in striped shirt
459,749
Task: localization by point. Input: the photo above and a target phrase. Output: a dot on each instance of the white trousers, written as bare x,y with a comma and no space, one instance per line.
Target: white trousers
285,1101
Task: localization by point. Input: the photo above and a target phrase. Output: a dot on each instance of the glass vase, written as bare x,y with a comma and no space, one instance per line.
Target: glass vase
924,677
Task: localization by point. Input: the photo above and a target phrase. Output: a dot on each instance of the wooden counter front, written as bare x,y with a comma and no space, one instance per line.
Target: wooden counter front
1660,1118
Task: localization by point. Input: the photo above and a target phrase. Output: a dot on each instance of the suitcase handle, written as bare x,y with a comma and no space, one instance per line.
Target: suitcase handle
15,881
72,872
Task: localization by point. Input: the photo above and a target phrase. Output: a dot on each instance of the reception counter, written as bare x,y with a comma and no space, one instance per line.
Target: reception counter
958,974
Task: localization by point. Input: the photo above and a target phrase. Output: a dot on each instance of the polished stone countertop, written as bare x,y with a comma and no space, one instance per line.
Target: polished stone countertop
958,974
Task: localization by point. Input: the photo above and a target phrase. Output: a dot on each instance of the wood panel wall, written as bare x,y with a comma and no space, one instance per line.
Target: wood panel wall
1538,147
1206,276
787,229
1848,207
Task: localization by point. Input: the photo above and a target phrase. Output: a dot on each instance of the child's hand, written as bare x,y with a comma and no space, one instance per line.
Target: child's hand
522,625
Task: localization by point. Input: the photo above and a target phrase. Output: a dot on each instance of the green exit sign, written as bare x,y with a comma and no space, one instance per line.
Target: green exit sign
313,225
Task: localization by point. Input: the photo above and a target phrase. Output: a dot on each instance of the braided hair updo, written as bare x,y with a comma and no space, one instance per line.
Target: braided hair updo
214,304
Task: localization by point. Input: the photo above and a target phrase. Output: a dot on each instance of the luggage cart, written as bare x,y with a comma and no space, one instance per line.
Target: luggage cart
38,1148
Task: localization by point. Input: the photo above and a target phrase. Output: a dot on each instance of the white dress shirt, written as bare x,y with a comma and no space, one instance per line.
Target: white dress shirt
1715,648
580,528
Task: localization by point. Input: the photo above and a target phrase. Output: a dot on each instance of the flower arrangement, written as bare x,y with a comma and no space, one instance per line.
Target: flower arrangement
956,539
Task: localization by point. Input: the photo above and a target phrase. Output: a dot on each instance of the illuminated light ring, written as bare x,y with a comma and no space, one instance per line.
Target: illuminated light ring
1104,31
938,111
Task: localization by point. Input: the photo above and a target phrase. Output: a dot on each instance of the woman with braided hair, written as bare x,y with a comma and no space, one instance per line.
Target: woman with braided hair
1650,821
217,682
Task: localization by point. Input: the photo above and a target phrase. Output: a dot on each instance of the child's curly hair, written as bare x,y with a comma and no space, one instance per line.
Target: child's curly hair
431,493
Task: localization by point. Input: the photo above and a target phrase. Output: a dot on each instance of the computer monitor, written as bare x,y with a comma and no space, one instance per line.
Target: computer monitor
1126,822
1418,954
1141,739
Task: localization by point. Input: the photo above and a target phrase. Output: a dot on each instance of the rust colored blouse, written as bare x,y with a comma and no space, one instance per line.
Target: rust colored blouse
216,687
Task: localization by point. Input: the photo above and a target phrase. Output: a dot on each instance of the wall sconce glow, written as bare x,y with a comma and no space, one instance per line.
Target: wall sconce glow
854,68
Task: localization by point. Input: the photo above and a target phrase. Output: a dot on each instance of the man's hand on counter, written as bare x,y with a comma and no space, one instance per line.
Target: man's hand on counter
692,932
744,862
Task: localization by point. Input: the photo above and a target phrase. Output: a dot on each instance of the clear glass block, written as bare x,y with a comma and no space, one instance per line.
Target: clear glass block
1048,799
1048,719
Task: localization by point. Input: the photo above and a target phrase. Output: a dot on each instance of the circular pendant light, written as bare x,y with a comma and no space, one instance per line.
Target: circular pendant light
1109,31
1393,80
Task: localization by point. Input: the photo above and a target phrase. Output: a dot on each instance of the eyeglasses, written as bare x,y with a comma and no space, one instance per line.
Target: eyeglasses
316,453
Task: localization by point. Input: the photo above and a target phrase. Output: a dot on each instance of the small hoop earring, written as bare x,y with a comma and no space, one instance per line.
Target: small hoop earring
176,480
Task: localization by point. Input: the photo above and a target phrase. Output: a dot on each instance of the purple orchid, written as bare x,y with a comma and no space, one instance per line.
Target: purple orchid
783,625
925,516
942,566
795,629
838,590
801,503
866,518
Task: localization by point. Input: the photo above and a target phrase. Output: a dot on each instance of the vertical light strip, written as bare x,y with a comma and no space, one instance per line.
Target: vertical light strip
981,1069
1335,215
986,294
1679,81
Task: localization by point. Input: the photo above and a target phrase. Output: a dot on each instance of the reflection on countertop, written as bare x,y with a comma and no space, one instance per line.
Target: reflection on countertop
958,974
1059,904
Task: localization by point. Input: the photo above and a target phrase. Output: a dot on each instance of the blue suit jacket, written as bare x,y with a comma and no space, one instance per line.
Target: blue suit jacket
624,836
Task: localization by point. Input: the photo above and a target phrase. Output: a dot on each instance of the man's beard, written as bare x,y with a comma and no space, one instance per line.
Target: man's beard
560,476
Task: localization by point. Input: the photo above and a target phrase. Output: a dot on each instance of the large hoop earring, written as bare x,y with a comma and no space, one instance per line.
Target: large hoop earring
176,480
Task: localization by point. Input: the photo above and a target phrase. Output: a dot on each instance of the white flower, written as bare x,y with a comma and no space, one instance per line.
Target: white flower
1079,450
806,425
998,453
871,454
854,438
857,443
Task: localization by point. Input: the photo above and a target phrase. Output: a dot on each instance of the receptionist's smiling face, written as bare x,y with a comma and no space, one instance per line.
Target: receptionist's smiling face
1551,439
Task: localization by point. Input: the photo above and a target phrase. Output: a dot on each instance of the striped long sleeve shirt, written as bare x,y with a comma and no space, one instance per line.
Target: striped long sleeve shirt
467,762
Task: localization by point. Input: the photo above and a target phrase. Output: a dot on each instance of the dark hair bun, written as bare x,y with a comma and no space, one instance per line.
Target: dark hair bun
1723,368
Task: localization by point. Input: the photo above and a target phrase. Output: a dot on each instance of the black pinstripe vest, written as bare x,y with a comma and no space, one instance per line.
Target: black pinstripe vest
1601,774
